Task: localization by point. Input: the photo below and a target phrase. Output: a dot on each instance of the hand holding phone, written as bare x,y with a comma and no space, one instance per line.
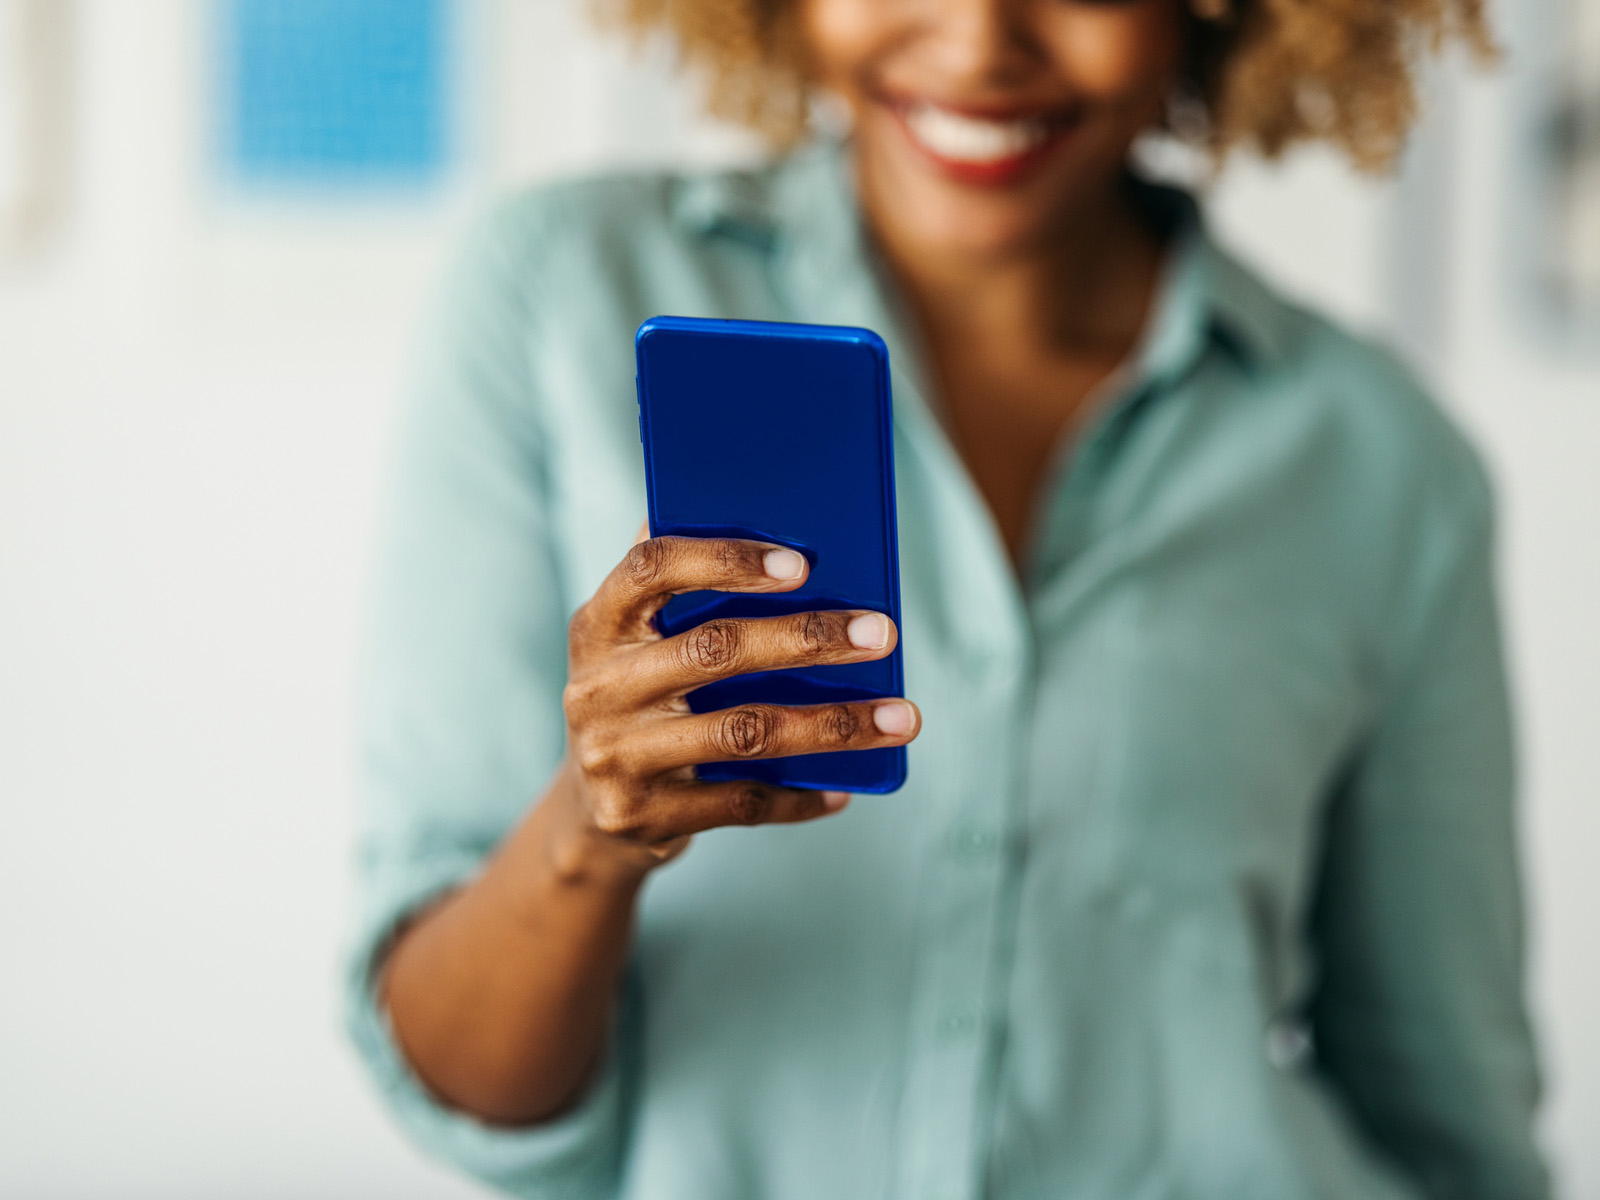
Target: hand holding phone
633,742
781,434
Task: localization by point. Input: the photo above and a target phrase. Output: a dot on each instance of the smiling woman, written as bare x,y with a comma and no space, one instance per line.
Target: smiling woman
1203,883
1261,74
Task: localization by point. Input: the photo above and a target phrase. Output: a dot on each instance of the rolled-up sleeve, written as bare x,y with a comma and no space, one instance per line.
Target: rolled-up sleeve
1419,1018
460,710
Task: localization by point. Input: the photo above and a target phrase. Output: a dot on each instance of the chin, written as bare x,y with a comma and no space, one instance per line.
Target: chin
987,200
978,227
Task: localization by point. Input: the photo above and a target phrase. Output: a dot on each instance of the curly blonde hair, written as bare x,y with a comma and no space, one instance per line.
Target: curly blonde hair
1260,74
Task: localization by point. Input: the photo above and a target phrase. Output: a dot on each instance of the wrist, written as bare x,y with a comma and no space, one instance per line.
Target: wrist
575,855
549,869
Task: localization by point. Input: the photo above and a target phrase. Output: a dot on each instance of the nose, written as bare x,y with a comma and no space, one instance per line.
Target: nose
978,43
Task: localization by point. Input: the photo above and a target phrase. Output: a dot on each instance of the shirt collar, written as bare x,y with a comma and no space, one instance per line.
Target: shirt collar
803,210
1206,298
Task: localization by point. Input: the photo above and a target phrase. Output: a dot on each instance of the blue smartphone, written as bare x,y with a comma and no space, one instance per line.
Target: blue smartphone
779,433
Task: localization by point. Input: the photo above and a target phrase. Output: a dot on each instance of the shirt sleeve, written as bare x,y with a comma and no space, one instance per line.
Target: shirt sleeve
1419,1017
460,711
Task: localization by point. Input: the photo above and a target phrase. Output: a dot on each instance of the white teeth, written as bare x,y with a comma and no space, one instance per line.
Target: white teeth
973,139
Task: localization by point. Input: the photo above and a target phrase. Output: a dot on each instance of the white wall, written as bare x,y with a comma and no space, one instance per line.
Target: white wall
194,398
1538,416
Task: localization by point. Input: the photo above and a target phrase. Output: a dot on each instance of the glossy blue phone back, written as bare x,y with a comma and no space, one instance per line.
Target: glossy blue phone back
781,433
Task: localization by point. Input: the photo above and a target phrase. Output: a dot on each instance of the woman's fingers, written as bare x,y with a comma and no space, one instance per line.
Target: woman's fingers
655,570
772,731
674,812
634,757
731,646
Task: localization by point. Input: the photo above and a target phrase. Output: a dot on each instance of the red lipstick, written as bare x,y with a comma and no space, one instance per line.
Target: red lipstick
991,171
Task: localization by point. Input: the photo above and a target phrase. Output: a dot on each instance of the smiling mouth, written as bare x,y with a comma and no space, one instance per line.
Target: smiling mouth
985,149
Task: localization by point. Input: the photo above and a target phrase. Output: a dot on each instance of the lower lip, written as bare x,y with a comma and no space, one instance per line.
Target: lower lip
995,172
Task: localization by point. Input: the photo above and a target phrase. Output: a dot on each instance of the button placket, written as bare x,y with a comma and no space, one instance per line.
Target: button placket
941,1154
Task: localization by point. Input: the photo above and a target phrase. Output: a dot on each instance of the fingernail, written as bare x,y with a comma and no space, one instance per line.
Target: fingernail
834,801
784,564
893,718
870,631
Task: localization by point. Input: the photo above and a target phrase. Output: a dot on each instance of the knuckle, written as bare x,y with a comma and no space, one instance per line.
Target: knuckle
579,696
840,723
730,556
645,563
619,817
750,804
712,646
605,754
597,758
817,633
746,732
578,626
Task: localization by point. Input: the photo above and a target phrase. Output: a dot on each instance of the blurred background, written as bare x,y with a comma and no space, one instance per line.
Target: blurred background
218,219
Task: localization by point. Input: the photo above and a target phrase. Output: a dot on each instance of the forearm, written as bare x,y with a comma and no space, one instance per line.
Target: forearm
500,996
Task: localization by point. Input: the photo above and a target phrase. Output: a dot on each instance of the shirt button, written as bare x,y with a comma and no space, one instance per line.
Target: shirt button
1288,1044
974,841
957,1023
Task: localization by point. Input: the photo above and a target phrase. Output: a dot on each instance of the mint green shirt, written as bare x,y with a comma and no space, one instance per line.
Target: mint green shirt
1203,884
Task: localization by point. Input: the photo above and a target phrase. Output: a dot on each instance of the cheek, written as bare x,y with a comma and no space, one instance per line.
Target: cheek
839,35
1116,53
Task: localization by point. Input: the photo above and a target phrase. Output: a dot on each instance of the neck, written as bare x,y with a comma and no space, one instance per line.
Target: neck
1080,287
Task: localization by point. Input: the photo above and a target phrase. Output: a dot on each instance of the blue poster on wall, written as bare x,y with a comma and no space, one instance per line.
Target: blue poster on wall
337,92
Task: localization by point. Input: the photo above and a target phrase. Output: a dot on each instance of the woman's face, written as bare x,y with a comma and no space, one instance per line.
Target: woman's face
982,125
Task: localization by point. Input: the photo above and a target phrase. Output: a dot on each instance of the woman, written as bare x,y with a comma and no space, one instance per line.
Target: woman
1203,883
